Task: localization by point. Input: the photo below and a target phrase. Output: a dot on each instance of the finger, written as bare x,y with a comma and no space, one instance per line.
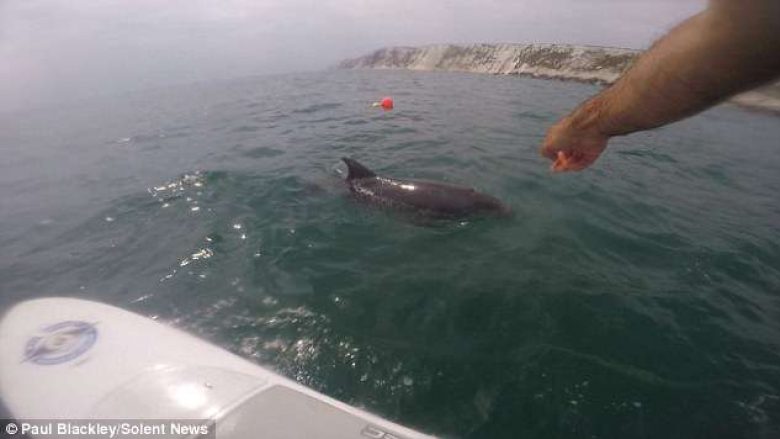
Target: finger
573,161
577,163
560,163
560,167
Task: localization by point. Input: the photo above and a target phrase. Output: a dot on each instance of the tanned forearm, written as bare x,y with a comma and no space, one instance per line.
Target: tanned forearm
732,46
705,60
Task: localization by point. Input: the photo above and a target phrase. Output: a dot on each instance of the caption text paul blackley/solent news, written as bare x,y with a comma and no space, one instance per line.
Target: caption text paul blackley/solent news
109,429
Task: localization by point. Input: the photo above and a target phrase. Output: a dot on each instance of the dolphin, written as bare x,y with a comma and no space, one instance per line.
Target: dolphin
429,198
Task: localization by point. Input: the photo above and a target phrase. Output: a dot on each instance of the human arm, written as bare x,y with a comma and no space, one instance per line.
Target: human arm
730,47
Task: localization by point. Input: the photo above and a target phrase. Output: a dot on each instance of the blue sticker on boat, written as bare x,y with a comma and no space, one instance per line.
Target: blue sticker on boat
60,342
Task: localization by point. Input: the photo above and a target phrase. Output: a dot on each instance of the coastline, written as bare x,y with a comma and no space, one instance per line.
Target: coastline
591,64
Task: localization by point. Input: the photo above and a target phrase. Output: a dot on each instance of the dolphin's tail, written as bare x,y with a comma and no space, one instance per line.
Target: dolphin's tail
356,170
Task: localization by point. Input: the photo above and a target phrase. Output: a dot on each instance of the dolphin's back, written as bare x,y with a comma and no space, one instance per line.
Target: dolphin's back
431,198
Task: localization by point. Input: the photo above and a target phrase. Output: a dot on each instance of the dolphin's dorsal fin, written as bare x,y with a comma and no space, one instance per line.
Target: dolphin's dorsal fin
356,170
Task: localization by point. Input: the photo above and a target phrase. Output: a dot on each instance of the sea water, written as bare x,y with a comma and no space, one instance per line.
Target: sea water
637,299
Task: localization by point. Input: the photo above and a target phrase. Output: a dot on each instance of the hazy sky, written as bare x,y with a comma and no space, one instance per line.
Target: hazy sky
52,50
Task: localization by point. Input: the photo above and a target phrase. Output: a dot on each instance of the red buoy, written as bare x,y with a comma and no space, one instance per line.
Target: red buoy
386,103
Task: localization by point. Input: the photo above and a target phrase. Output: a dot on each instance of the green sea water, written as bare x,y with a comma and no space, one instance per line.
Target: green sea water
637,299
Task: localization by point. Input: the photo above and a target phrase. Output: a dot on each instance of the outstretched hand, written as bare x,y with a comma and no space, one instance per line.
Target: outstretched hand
572,149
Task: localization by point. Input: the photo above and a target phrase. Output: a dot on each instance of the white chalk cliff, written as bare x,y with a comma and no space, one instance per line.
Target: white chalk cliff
556,61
